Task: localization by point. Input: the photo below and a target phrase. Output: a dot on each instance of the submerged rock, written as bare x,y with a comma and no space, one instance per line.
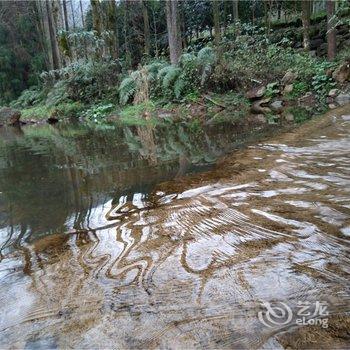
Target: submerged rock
9,116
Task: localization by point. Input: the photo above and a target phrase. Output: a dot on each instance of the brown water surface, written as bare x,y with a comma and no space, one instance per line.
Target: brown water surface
190,265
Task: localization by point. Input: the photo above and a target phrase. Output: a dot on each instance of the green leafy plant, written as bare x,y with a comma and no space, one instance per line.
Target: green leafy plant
98,113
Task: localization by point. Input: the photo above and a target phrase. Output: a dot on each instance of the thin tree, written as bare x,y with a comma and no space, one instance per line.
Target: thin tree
73,14
53,36
305,18
216,18
82,13
65,15
174,37
331,30
112,28
146,30
235,12
96,16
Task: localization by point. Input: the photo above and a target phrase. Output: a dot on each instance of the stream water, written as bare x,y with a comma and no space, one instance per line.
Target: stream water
106,244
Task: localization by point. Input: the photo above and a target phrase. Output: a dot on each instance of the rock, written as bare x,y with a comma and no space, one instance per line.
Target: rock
256,92
332,106
258,119
307,101
329,72
165,115
342,99
9,116
289,117
315,43
313,53
289,77
277,106
52,120
329,99
333,92
288,88
342,73
322,49
259,108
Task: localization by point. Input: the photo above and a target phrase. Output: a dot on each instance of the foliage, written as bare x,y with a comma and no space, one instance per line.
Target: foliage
21,57
42,112
299,89
300,114
29,97
99,112
168,81
272,89
83,81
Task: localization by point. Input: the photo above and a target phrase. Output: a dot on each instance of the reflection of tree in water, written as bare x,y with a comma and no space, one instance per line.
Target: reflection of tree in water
149,147
51,178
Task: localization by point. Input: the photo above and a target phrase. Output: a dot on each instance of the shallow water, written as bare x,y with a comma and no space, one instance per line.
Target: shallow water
96,253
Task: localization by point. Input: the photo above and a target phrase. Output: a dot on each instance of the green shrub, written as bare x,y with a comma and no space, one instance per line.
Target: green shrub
29,97
82,81
98,113
169,81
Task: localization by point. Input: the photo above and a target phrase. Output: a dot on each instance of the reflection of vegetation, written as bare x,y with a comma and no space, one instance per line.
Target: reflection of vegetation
51,177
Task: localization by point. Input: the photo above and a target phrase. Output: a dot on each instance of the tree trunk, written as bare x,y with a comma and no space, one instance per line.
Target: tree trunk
235,10
65,15
112,28
53,38
82,14
279,9
331,30
305,18
96,16
216,17
155,34
45,33
174,37
146,30
126,39
73,15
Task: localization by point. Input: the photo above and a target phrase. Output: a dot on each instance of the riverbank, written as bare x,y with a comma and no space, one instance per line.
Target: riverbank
252,74
280,102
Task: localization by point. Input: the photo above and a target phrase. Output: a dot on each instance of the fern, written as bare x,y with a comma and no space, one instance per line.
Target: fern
179,86
162,72
186,58
126,89
170,77
206,56
153,69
